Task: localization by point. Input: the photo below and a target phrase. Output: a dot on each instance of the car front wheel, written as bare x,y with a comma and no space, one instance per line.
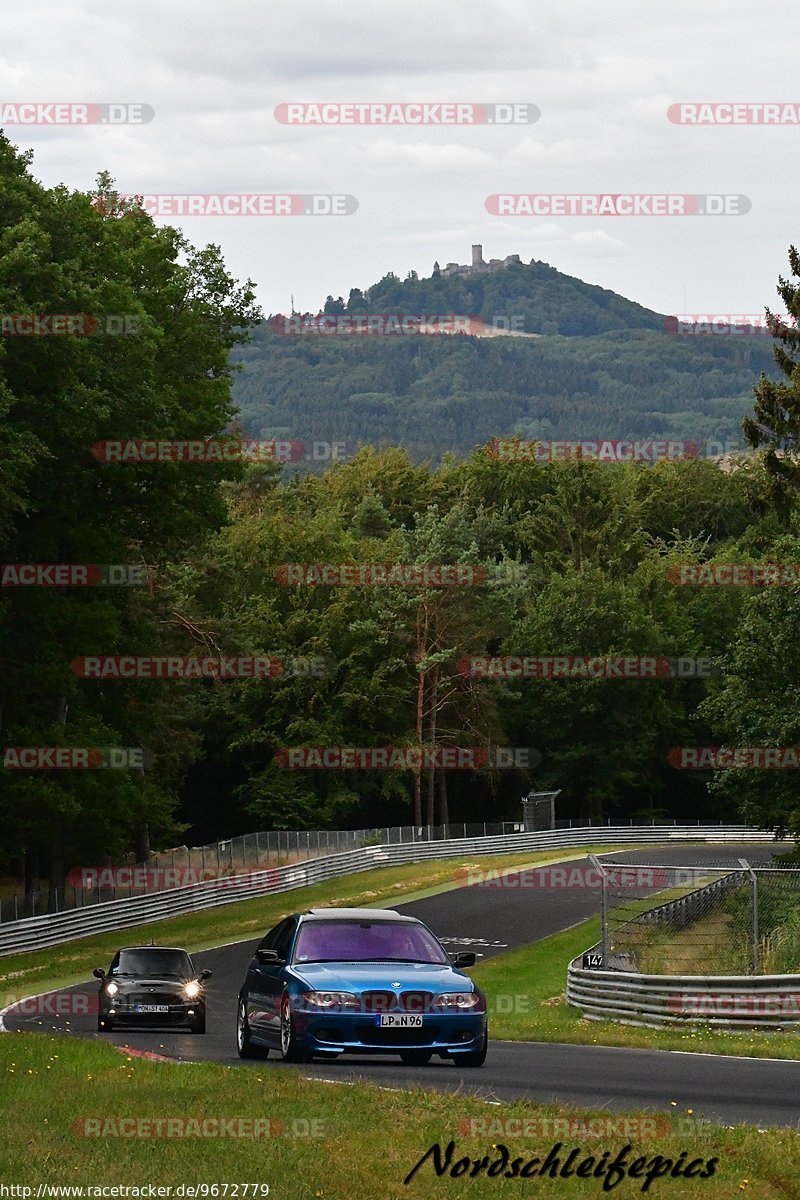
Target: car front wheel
290,1052
478,1058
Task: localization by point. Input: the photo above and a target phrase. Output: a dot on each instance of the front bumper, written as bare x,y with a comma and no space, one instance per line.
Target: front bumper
444,1033
123,1012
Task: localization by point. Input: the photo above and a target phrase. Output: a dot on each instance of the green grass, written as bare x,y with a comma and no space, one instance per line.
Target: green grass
366,1140
60,966
525,990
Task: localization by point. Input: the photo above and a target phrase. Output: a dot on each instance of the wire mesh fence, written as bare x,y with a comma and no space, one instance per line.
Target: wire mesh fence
185,865
700,920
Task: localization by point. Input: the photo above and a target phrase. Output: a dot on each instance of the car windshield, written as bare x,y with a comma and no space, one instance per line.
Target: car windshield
367,941
160,964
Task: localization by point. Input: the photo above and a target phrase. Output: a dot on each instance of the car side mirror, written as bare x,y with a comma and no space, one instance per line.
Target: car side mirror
465,958
205,975
268,957
99,973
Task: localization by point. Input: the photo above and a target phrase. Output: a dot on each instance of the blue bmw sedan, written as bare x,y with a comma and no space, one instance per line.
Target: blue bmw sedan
336,981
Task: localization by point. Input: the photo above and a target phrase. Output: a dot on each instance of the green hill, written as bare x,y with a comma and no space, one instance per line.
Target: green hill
602,366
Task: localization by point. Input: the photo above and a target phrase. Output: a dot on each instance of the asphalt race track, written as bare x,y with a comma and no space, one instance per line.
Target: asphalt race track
491,920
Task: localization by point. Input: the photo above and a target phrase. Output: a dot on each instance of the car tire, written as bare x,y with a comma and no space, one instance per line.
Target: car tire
104,1025
416,1058
198,1023
290,1051
477,1059
244,1045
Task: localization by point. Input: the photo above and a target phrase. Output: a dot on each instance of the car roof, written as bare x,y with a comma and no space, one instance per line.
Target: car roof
357,914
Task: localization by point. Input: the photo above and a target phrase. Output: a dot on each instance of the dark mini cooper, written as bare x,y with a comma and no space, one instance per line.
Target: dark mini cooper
152,985
360,981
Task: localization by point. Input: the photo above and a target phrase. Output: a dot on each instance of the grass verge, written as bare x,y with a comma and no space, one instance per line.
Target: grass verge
363,1141
525,989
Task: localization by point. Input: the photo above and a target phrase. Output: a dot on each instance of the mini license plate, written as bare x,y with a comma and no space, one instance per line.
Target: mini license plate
148,1008
400,1021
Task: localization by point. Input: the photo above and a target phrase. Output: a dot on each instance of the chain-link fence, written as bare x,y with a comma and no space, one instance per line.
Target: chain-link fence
185,865
700,920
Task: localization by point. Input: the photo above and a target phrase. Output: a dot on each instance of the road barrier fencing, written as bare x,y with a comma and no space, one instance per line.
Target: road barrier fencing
724,953
53,929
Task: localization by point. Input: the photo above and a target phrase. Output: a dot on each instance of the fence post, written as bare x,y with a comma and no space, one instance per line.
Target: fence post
595,861
756,937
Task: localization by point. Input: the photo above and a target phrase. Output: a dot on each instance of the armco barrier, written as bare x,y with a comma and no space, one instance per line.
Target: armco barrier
55,928
686,909
727,1001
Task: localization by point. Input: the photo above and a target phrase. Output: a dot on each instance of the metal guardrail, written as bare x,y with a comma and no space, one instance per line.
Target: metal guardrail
53,929
684,910
181,866
726,1001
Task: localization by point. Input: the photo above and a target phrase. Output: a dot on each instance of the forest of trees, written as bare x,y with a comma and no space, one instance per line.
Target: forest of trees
577,557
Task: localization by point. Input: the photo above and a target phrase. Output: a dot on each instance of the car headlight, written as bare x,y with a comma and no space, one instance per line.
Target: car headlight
462,1001
111,989
326,1000
192,989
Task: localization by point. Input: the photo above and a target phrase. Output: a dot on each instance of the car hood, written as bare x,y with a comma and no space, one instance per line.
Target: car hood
125,982
358,977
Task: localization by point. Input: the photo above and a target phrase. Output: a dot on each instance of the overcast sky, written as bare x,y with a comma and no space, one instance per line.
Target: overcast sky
603,77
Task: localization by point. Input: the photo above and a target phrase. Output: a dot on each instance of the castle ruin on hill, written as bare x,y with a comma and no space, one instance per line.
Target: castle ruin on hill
477,266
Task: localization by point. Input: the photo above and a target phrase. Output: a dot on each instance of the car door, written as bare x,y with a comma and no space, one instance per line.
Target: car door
255,997
270,980
262,985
